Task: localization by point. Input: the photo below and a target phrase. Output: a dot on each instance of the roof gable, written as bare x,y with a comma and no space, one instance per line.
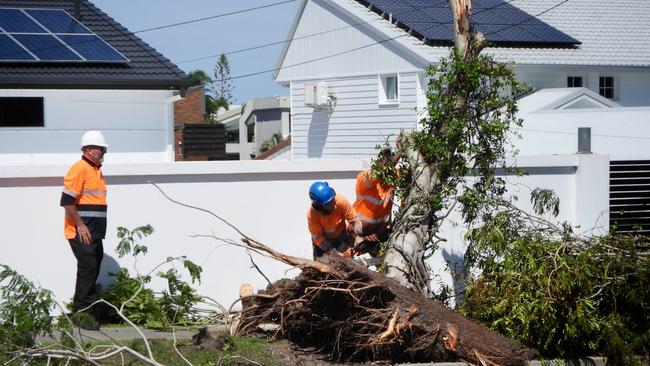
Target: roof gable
339,37
147,68
563,99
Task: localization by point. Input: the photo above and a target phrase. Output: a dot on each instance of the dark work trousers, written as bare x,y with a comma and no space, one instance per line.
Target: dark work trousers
89,260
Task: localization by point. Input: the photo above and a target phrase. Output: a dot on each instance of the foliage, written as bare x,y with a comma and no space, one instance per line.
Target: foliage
271,143
142,305
179,298
563,295
223,86
128,242
451,158
541,284
24,310
199,77
471,108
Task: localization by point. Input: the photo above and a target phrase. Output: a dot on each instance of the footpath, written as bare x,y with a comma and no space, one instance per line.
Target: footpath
124,333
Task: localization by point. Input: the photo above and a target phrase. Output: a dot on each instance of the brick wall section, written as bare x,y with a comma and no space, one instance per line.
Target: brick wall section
188,110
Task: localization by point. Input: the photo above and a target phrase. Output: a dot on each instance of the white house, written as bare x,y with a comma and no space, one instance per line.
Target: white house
365,59
252,124
81,71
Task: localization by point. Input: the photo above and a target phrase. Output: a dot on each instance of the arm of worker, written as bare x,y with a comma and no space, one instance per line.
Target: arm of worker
82,229
318,234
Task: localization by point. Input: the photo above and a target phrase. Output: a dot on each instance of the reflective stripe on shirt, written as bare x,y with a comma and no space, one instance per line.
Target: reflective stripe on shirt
70,193
370,199
92,214
94,192
373,221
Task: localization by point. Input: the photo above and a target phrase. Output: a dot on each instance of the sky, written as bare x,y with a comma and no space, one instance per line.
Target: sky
213,37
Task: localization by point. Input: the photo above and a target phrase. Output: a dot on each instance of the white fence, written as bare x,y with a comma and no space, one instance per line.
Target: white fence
265,199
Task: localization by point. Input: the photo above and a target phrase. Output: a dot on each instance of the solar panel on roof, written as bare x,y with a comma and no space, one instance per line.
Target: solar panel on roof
91,47
11,51
46,47
57,21
14,20
498,20
50,35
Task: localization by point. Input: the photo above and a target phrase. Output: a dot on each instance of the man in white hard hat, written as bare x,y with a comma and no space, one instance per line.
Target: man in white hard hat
84,201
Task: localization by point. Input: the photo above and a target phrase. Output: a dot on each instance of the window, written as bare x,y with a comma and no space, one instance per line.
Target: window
574,82
389,89
268,115
21,112
250,128
606,86
232,131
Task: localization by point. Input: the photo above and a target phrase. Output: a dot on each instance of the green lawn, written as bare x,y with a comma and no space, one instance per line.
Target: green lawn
229,350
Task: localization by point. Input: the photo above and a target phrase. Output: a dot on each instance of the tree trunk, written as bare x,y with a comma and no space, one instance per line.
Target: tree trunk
415,224
407,244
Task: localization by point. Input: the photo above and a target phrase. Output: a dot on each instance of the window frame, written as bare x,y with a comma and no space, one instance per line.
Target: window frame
573,76
384,91
602,87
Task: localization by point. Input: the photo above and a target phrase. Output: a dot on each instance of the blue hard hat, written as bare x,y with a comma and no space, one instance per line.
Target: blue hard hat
321,193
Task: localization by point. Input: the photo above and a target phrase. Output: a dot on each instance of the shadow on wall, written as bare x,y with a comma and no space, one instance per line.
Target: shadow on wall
109,265
456,265
317,134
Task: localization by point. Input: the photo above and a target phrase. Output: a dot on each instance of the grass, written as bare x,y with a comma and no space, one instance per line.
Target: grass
230,350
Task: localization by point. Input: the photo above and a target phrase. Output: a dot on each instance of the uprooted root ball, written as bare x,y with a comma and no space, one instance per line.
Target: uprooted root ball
353,314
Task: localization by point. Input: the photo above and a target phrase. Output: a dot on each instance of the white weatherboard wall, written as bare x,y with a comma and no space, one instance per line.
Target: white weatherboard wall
265,199
356,123
138,125
330,41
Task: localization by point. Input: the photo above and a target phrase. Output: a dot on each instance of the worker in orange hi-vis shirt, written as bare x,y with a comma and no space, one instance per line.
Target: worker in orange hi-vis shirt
373,206
329,219
84,202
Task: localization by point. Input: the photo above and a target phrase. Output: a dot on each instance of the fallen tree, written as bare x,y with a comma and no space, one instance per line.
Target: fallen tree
339,307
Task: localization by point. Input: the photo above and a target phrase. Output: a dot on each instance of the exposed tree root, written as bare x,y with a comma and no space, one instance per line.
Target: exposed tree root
353,314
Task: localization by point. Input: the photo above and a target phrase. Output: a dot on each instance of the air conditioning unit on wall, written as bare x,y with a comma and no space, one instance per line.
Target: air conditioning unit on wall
316,95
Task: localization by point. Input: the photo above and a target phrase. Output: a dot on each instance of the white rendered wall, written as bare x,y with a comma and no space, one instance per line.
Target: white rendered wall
265,199
138,125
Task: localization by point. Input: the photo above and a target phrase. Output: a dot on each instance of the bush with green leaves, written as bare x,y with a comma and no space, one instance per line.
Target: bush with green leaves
564,295
142,305
24,310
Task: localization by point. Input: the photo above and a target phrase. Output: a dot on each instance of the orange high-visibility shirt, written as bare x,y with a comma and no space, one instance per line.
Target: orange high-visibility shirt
374,201
85,187
332,225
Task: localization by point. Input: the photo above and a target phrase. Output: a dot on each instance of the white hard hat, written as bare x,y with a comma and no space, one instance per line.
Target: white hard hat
94,138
